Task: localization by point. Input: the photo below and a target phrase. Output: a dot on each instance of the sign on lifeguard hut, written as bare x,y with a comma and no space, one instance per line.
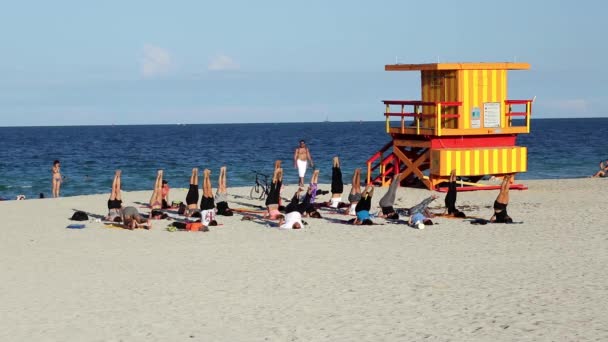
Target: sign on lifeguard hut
464,122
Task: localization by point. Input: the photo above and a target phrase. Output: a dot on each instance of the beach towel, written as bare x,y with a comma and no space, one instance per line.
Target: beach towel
75,226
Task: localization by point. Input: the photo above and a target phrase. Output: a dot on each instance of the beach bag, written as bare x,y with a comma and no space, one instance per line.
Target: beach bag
80,216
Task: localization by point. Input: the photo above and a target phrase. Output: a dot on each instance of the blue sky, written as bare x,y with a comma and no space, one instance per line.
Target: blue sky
137,62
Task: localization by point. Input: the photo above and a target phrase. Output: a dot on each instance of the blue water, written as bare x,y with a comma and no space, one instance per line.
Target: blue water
557,148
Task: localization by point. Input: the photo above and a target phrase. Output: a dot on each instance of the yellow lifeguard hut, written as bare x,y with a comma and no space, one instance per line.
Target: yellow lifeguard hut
464,121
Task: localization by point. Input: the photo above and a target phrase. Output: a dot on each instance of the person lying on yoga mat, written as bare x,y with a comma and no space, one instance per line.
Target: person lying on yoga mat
294,211
355,192
165,195
302,204
156,200
207,203
363,206
314,186
221,195
450,197
501,202
272,201
192,196
420,214
337,186
387,201
115,200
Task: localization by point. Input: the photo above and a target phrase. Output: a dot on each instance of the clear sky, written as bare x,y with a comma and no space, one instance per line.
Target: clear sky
137,62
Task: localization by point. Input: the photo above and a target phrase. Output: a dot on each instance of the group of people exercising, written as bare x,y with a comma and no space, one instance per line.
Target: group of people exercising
303,202
360,203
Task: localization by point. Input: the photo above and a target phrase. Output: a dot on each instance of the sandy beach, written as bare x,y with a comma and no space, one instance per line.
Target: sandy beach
542,280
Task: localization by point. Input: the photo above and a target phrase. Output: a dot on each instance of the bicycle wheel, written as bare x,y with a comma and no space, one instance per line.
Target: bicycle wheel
253,193
263,192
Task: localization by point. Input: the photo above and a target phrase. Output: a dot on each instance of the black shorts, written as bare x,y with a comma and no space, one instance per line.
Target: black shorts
114,204
207,203
192,196
388,210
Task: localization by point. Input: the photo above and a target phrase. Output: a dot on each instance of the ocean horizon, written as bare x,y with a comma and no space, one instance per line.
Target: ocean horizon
90,154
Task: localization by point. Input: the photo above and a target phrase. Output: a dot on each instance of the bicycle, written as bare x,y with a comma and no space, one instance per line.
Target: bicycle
260,189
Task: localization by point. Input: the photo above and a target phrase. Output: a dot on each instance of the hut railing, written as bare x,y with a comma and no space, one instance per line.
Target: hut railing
525,113
418,114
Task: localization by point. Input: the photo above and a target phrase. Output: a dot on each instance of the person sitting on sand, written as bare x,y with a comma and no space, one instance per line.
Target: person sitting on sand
192,195
450,198
221,195
420,214
272,200
501,202
207,203
387,201
363,207
337,186
115,200
165,194
603,171
355,192
156,200
132,219
56,177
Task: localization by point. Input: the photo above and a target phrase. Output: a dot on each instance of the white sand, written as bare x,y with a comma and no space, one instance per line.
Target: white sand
542,280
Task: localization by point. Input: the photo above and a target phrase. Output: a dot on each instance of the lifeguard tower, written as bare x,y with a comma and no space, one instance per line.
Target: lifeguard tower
464,121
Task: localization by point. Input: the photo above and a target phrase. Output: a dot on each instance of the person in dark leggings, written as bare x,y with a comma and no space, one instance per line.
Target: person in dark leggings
363,207
501,202
387,201
337,186
192,196
450,197
274,195
303,206
221,194
115,200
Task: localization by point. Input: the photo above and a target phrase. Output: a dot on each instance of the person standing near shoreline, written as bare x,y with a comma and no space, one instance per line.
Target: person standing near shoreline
301,157
56,180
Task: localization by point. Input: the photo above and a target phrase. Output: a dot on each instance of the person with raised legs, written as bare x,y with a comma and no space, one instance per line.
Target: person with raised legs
387,202
501,202
355,192
274,195
363,207
221,195
450,198
115,200
192,195
207,203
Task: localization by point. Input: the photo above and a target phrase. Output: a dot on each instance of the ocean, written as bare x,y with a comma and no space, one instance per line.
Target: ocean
557,148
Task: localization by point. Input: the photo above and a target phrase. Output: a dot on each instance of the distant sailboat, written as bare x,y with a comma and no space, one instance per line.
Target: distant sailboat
326,118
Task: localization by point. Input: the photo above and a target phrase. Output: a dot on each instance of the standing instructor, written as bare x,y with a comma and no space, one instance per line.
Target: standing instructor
300,160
